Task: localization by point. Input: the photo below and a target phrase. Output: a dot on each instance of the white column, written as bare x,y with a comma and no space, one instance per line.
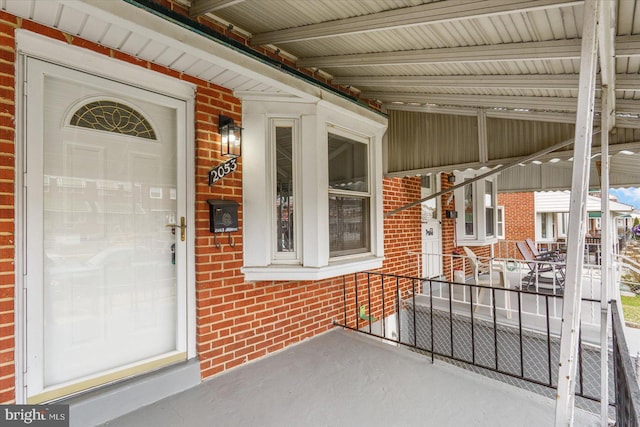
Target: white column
606,258
606,37
570,328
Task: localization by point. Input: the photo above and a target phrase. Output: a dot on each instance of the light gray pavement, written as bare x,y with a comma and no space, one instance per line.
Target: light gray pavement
632,335
344,379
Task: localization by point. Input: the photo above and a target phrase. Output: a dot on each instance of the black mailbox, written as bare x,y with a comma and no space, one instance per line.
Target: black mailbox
223,216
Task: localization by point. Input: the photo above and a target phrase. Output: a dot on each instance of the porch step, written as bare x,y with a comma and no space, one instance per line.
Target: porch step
106,403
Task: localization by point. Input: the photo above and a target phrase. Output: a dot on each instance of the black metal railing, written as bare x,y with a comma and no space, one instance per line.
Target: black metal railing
627,392
503,339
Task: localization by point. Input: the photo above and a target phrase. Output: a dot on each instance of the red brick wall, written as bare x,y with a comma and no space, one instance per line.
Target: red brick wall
236,321
7,136
402,231
519,215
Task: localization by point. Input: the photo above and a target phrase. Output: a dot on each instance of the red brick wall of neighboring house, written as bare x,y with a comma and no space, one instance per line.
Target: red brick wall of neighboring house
519,215
236,321
519,221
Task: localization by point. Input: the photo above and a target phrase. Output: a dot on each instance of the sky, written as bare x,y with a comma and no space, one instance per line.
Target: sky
629,196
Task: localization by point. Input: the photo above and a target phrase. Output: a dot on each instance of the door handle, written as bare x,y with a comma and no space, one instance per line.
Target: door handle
183,227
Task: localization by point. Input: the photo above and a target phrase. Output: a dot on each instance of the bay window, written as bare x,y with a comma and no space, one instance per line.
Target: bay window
476,206
312,191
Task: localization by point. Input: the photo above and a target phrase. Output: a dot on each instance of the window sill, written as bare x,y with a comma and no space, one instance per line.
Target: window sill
297,272
485,242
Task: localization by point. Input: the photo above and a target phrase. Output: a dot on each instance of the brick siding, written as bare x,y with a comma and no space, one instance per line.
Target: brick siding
236,321
519,215
8,24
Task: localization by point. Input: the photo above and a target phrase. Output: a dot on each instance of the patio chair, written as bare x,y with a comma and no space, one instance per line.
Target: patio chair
539,269
484,274
475,262
543,255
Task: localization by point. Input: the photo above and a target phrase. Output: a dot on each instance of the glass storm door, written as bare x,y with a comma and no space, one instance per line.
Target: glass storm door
431,230
105,273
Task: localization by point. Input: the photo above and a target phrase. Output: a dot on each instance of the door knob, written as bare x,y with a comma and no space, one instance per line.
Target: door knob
182,226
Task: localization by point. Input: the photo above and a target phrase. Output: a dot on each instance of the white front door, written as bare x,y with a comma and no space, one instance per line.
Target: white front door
105,275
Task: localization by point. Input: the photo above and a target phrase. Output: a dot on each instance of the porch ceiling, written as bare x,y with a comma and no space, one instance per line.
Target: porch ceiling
499,60
124,26
511,59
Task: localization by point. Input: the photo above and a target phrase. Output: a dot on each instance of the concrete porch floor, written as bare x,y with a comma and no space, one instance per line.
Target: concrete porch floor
341,378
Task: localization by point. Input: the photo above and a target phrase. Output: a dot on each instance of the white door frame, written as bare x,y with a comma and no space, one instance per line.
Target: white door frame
37,46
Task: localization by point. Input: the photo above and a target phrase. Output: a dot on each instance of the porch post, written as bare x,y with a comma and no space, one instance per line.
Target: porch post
606,251
606,37
570,329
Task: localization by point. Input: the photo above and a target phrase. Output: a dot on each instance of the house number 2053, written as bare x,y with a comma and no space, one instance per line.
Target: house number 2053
219,172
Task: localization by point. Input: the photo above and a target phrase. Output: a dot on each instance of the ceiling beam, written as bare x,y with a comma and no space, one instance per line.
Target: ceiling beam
626,46
622,82
553,49
511,114
540,103
487,101
200,7
430,13
537,81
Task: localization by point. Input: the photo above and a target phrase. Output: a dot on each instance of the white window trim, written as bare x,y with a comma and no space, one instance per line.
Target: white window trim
559,221
316,121
500,230
551,218
294,123
480,237
337,130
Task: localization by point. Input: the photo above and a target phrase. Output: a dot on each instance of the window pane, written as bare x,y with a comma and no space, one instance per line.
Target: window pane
489,220
468,210
284,189
488,194
348,225
430,207
543,226
348,161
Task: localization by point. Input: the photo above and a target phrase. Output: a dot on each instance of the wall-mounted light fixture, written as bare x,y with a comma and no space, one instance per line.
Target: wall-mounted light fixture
231,134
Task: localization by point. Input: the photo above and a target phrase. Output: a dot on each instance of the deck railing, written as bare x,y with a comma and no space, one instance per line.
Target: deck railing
627,393
538,277
628,273
472,332
508,249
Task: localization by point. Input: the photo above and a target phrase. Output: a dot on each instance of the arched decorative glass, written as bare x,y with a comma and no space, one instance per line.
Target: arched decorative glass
112,116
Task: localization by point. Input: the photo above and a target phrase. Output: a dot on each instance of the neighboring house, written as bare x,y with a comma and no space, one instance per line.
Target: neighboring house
544,215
